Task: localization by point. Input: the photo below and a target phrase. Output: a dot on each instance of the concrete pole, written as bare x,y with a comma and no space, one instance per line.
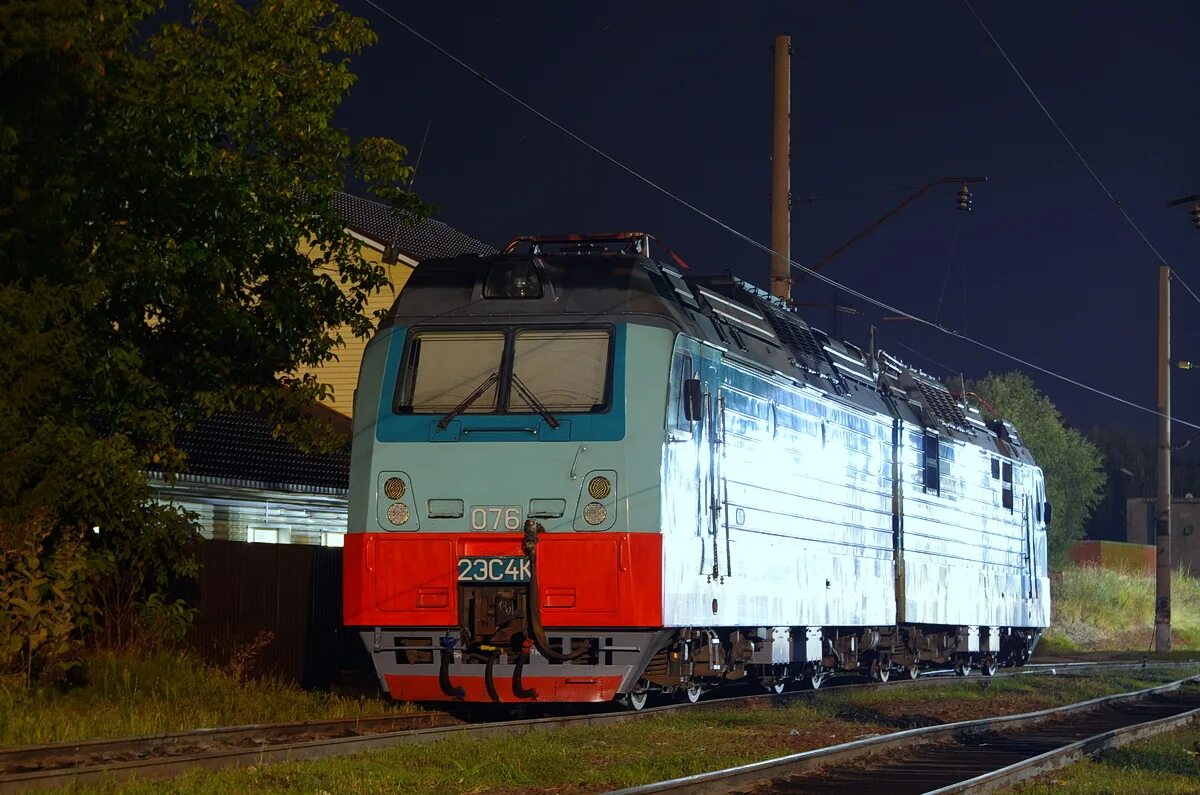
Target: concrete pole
1162,590
781,181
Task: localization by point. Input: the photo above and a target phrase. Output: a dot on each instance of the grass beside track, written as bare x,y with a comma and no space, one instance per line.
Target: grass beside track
592,759
1168,764
1098,609
133,695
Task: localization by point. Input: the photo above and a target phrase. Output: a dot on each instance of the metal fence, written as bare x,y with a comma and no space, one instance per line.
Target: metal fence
291,594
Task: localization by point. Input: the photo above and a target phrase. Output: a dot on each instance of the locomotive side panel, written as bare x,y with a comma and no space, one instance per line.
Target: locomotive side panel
794,523
968,534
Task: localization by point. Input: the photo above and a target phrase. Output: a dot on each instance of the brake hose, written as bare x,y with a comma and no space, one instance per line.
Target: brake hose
532,531
519,689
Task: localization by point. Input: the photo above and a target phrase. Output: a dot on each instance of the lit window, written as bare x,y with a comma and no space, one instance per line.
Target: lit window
564,370
264,535
446,368
331,539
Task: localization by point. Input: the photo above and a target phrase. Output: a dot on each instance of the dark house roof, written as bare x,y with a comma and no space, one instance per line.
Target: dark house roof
239,450
418,239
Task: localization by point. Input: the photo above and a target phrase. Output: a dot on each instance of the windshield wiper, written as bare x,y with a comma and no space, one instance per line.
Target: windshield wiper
468,400
532,400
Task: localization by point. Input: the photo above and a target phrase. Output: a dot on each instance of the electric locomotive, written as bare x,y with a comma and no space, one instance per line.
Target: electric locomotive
579,474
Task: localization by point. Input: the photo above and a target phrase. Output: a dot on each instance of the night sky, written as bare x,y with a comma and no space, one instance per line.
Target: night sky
884,95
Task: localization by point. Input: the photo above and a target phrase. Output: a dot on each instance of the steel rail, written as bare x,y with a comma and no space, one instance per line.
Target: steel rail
760,773
1067,755
28,758
152,756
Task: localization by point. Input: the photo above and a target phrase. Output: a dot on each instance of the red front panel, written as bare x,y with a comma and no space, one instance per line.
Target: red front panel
592,580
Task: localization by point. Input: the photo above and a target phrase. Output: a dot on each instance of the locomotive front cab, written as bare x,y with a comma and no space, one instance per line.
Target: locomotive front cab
504,522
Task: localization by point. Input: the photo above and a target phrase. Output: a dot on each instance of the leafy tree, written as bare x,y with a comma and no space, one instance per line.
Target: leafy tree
166,184
1072,465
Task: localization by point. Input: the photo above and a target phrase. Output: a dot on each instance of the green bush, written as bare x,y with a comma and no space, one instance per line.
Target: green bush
163,624
41,580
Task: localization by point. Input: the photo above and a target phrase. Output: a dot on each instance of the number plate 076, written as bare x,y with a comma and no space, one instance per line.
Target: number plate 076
497,569
495,517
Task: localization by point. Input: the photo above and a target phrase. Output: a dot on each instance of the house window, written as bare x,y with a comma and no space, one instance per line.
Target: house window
996,468
263,535
1007,477
933,475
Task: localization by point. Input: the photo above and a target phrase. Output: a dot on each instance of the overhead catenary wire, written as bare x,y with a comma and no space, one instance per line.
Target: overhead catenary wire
1175,275
761,246
1070,144
949,266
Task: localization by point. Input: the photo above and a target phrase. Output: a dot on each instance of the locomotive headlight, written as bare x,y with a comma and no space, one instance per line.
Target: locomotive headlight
394,488
599,487
397,512
594,512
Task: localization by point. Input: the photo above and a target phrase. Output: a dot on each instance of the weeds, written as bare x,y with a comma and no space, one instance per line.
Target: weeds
601,758
129,694
1099,609
1164,764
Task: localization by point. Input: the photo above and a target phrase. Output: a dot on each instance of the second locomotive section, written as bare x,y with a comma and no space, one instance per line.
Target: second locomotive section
577,475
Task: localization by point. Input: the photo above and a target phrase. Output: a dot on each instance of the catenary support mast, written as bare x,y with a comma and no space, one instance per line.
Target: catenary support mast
781,182
1162,504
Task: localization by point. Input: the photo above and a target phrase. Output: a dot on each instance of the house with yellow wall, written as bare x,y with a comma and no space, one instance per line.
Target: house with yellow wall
399,244
243,483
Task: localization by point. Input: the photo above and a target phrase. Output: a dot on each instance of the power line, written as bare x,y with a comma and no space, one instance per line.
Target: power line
1176,277
767,249
1116,202
949,266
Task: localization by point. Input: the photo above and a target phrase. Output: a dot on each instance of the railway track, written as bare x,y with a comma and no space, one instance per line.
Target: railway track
156,756
971,756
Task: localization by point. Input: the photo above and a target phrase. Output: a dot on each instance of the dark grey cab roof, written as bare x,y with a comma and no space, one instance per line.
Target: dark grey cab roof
751,326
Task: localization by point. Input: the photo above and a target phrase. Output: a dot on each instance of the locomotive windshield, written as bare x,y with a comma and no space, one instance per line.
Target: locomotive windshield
560,370
449,366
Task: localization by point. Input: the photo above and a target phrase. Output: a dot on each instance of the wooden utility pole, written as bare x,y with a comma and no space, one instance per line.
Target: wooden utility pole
1162,504
781,181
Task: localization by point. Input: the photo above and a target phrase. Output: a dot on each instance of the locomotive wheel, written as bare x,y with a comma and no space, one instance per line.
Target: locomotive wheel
963,667
637,701
988,665
881,670
816,679
776,687
913,672
693,693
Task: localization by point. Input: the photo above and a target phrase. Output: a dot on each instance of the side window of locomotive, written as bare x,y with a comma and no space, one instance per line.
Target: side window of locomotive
566,371
681,373
1007,477
933,472
445,368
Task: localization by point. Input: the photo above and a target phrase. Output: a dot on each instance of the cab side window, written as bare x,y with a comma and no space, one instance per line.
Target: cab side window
681,371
